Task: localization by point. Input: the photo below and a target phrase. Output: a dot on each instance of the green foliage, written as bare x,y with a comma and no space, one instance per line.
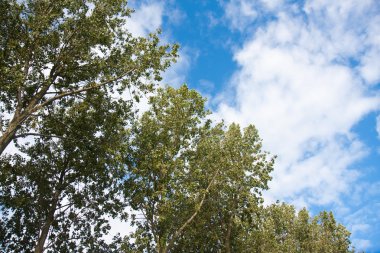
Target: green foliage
186,174
196,186
66,68
193,186
65,189
243,173
280,228
51,52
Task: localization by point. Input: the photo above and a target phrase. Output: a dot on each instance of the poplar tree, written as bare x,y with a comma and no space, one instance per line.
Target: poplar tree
53,52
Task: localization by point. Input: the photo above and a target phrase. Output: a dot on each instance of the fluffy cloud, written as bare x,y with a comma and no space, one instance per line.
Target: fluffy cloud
146,18
176,74
240,13
303,80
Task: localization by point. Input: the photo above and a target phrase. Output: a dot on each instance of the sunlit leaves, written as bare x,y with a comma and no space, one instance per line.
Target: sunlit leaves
53,52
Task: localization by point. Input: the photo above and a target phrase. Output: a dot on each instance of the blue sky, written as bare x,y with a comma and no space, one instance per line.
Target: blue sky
307,74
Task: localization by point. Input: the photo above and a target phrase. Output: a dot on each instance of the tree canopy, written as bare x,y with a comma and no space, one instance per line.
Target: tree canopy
281,228
53,52
58,197
70,77
184,171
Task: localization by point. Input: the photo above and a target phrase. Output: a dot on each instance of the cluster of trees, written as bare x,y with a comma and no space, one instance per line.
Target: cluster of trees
70,77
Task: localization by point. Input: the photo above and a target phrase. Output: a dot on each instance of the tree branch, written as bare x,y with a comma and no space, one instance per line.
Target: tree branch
80,90
150,223
20,89
197,209
38,134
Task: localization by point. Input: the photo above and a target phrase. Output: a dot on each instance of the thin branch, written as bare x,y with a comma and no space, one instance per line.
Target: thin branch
197,209
40,135
91,87
68,206
150,222
19,100
36,115
20,89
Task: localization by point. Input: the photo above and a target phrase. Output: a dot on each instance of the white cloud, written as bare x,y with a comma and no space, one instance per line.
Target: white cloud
370,64
297,82
360,228
272,4
175,15
318,178
147,18
240,13
177,73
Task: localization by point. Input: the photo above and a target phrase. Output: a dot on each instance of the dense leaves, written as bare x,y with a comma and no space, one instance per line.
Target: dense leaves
280,228
69,72
67,187
182,168
54,51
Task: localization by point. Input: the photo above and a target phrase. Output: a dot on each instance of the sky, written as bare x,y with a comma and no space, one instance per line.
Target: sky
306,74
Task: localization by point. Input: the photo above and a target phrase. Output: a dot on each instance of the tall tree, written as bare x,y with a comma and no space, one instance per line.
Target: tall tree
52,52
236,197
182,168
160,178
59,196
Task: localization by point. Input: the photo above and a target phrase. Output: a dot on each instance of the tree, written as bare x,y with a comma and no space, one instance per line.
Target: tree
59,196
63,65
236,197
186,174
53,52
160,174
328,235
281,229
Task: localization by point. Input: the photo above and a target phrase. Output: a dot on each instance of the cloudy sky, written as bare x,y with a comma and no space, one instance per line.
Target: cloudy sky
307,74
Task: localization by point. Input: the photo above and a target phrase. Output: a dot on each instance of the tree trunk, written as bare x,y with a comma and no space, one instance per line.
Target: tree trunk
19,116
227,243
10,132
46,227
44,233
163,249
